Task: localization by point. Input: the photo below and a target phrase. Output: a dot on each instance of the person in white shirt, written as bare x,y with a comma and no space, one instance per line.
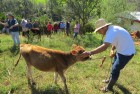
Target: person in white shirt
23,25
120,40
76,29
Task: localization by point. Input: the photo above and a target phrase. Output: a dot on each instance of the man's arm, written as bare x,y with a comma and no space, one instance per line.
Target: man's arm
15,25
101,48
5,24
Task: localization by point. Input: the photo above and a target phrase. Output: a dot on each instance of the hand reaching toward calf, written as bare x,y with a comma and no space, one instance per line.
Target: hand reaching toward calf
86,54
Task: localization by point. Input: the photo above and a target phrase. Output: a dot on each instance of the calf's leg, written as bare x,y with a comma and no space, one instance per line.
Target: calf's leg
64,81
55,77
29,75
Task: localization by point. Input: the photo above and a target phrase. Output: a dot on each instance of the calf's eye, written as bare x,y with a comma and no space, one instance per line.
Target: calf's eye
80,52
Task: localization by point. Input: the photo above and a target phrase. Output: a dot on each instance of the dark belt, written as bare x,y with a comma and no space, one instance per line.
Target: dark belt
126,55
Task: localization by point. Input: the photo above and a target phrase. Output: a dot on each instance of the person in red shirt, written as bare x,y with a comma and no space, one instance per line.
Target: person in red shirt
49,28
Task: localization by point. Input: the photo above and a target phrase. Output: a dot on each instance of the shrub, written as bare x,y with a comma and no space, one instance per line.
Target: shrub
43,19
2,18
89,27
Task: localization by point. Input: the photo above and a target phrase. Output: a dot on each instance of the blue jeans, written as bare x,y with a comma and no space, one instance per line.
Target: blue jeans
119,63
5,29
75,34
15,37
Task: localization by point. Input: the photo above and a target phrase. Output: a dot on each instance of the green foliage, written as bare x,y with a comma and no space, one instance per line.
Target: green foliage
109,8
24,8
57,10
2,18
39,1
82,9
43,19
89,27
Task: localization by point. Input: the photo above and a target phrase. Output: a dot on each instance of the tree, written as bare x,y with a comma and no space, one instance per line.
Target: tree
24,8
109,8
55,9
83,9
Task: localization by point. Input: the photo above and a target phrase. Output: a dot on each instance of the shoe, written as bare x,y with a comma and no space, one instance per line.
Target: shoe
104,89
111,84
105,81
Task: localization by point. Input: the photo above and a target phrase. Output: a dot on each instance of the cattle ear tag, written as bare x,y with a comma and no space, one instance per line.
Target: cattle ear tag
74,52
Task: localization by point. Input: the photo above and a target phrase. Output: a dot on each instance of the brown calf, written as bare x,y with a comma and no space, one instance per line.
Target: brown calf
50,60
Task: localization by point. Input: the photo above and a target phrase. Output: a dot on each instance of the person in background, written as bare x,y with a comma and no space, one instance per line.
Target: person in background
59,25
36,25
29,25
36,28
55,27
62,26
5,28
13,28
67,28
121,41
23,25
28,28
49,28
76,29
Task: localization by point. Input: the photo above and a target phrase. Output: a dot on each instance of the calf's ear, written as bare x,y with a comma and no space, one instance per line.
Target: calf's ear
74,52
74,46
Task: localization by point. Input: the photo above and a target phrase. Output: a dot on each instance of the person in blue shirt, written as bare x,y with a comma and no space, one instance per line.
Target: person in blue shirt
62,26
29,25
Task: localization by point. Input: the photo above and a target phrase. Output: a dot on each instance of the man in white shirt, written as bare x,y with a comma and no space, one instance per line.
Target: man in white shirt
120,40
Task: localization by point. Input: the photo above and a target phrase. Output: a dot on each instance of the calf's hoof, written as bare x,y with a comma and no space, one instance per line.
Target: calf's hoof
33,83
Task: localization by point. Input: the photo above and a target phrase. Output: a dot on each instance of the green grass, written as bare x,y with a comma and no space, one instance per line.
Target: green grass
39,1
82,78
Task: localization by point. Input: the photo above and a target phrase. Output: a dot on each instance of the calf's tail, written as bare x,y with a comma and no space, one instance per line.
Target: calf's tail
18,60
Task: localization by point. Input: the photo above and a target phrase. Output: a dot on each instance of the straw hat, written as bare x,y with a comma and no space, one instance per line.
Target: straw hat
9,14
100,24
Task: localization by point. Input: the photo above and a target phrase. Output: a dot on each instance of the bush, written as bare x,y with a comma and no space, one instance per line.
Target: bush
2,18
43,19
89,27
89,40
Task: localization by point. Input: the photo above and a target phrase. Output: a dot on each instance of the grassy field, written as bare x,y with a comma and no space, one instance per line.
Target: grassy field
82,77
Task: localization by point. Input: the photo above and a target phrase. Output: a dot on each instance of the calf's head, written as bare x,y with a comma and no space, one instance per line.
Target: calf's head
77,51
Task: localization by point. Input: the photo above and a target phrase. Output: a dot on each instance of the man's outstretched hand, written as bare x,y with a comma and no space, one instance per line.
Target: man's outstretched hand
85,54
112,53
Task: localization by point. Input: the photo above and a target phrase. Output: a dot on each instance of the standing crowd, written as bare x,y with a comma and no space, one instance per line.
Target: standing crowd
11,26
51,28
